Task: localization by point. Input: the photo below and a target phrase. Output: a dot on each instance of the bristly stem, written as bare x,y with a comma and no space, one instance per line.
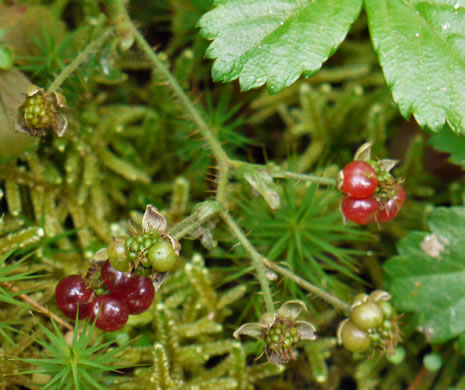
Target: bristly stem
214,144
254,255
320,293
303,177
82,56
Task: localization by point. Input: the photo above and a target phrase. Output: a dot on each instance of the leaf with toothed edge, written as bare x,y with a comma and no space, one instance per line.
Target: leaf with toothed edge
274,41
427,277
421,47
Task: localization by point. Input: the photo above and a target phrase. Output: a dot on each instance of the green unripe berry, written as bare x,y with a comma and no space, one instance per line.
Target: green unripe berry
117,254
387,325
367,315
135,247
162,256
132,255
387,308
287,342
432,362
129,242
293,331
375,337
139,239
275,338
354,339
397,356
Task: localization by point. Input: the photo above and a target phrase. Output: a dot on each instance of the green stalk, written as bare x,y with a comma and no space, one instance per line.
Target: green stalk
214,144
303,177
82,56
257,259
320,293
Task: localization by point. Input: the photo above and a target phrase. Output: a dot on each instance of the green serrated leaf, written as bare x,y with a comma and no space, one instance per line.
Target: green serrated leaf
428,275
274,41
449,142
420,47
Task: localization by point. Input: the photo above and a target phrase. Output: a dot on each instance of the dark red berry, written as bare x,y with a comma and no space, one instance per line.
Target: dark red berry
111,312
360,211
141,298
359,180
389,210
119,283
72,292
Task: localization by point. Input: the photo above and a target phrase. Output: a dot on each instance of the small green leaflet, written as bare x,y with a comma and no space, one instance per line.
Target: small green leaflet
428,275
421,47
274,41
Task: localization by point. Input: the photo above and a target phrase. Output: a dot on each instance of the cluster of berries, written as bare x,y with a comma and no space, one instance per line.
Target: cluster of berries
123,284
282,336
372,324
122,294
147,249
40,113
372,194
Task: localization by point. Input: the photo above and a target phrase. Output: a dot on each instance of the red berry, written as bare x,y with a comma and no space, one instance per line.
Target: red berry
389,210
119,283
72,292
111,312
359,180
141,298
361,211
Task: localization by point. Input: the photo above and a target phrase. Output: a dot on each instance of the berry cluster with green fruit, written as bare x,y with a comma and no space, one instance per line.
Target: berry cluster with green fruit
123,278
282,339
372,324
40,113
372,194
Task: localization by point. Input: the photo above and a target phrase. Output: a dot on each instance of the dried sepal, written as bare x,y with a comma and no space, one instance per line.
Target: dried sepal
290,310
386,165
268,319
358,300
158,279
254,330
339,331
306,330
363,153
100,255
379,295
154,220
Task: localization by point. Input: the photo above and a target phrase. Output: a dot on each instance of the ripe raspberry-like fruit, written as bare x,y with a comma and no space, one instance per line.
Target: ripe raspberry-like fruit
110,311
358,179
389,209
72,292
360,211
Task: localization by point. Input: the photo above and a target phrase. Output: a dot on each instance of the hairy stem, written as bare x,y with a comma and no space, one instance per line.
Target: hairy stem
82,56
207,133
202,213
320,293
303,177
278,173
254,255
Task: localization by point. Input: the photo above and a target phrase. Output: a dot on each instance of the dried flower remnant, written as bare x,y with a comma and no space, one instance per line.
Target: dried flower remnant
40,113
281,332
